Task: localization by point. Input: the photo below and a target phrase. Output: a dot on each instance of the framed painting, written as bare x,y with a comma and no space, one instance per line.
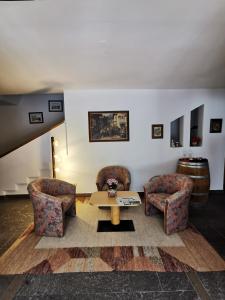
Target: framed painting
157,131
108,126
55,105
36,117
216,125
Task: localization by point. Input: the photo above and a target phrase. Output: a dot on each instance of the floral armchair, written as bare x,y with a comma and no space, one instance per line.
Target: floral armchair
121,174
169,194
52,199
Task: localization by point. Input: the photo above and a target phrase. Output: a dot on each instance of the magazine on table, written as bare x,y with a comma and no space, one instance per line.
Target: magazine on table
132,200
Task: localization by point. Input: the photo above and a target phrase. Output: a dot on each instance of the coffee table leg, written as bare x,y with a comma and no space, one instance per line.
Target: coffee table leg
115,215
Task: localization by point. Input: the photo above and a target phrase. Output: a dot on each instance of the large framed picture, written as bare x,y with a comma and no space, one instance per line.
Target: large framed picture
108,126
36,117
216,125
55,105
157,131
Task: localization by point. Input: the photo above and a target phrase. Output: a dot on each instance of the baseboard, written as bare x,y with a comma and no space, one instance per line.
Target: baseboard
141,194
83,195
14,196
212,192
26,196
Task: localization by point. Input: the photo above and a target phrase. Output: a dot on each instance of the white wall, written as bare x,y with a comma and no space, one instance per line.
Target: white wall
143,156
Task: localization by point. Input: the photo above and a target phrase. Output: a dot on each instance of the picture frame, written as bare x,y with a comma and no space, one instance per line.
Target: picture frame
55,105
157,131
108,126
36,117
216,125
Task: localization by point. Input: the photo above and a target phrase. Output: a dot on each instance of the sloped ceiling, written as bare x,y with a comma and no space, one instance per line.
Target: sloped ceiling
55,44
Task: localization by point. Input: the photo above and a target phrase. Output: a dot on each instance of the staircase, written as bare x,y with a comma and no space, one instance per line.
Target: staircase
15,108
25,148
29,162
20,188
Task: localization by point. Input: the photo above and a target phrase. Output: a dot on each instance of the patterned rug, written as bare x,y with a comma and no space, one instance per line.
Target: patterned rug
194,253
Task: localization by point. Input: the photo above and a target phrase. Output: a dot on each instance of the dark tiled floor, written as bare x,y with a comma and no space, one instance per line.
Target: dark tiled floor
104,285
5,282
17,214
174,281
214,283
210,221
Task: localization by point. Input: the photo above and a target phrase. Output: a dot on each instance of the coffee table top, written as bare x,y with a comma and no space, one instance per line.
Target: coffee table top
102,199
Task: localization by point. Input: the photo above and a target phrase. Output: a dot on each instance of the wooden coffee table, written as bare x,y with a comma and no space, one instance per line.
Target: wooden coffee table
102,199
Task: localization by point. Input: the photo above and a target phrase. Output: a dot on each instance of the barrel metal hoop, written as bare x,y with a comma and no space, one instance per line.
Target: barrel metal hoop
194,165
198,177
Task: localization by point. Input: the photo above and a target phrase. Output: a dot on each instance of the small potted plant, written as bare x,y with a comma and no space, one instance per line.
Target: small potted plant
112,185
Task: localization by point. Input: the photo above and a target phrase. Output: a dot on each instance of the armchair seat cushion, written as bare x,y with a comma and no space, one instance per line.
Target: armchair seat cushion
67,201
158,199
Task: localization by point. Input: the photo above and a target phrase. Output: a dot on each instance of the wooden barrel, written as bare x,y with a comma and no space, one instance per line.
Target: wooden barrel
198,171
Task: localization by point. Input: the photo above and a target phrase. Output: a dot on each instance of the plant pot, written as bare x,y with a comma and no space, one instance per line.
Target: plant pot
111,193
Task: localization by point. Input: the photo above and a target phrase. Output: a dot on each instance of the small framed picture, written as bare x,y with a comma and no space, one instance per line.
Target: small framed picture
36,117
55,105
157,131
216,125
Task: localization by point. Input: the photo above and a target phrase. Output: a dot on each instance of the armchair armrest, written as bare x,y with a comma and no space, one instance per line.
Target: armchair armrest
183,195
44,200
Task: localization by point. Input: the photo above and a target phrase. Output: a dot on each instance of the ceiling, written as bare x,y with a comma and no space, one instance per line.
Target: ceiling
100,44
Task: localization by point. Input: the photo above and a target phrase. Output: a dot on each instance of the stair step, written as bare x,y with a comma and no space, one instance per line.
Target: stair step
31,178
21,188
9,192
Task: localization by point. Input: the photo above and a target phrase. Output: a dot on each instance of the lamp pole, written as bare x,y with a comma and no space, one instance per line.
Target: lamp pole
53,156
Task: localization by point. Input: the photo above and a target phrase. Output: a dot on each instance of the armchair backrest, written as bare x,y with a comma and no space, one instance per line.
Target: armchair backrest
184,182
35,186
50,186
118,172
171,183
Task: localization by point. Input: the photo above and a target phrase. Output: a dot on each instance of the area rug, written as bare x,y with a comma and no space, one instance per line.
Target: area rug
81,231
194,253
